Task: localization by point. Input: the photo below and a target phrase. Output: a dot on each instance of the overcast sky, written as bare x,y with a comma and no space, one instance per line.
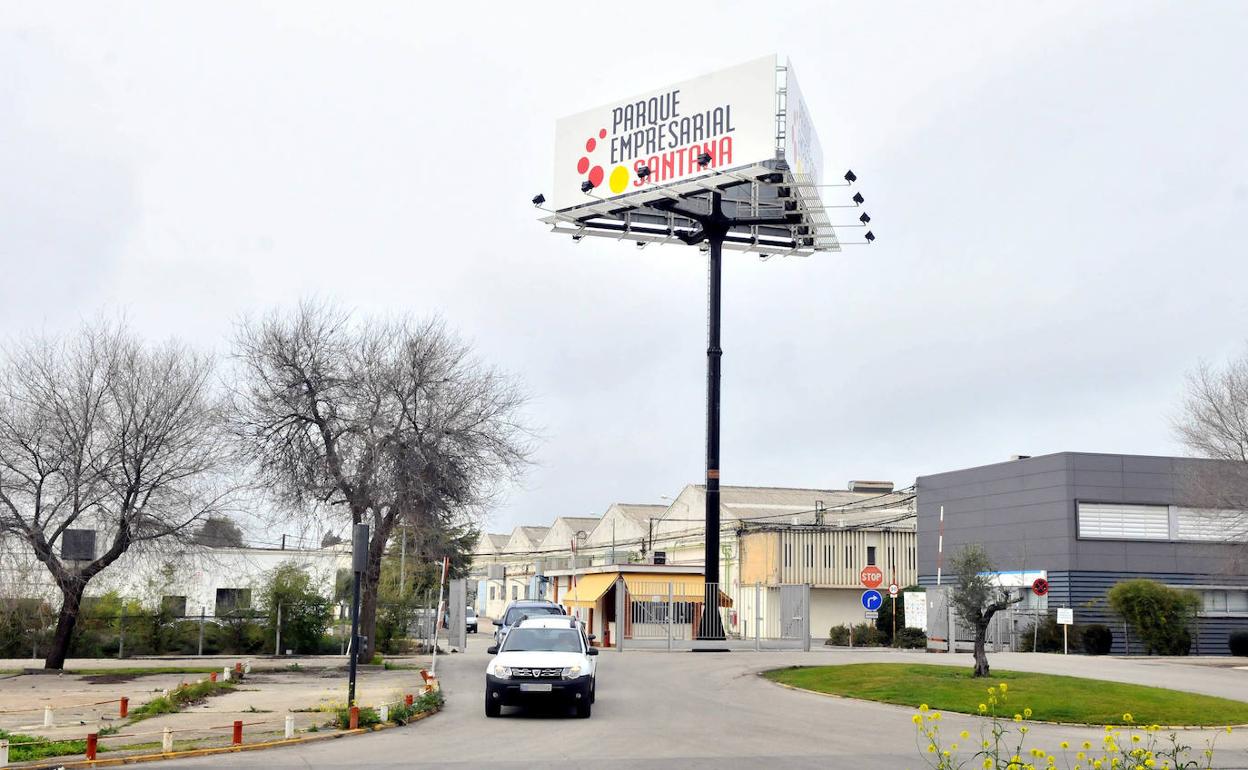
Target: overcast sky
1059,190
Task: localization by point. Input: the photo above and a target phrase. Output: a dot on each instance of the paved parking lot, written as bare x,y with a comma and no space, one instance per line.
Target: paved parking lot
704,710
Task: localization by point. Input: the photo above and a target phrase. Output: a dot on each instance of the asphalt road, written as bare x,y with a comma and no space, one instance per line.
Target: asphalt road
704,710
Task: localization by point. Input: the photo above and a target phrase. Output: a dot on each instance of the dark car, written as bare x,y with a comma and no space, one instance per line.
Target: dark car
520,609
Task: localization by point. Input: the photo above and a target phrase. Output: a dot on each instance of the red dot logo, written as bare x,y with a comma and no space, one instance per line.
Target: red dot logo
585,166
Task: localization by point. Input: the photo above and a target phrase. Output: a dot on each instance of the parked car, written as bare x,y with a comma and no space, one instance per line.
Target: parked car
470,617
544,659
522,608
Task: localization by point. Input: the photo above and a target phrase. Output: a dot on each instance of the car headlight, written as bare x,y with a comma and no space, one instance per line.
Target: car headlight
502,672
571,672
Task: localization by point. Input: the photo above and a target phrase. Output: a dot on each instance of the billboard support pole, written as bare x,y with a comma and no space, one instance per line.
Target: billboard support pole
715,226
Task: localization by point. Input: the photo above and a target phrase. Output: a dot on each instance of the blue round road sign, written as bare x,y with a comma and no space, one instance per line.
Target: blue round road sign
871,600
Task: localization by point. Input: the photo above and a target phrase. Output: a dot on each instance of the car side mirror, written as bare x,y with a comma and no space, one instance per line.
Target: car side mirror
492,649
592,651
591,637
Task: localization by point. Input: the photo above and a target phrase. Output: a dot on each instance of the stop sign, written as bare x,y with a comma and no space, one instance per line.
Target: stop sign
871,577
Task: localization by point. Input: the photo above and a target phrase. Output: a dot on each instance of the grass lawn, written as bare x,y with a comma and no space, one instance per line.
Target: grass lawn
1051,698
142,671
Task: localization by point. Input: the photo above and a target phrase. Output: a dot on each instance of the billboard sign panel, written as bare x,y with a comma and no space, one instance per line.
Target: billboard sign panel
915,608
802,150
729,114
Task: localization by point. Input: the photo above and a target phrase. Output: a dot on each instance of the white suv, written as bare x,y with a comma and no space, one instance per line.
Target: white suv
542,659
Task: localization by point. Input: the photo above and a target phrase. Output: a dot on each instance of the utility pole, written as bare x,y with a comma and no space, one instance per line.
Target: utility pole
402,560
359,563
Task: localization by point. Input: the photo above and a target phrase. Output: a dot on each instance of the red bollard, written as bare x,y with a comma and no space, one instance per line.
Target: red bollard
92,740
125,708
212,677
238,732
407,699
354,724
238,668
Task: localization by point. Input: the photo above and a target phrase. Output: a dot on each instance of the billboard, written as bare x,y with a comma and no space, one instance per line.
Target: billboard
729,114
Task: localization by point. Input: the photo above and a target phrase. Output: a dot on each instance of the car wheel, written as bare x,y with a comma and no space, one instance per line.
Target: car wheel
584,709
492,707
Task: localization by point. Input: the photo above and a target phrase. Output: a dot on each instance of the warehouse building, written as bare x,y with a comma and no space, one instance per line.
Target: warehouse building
1085,522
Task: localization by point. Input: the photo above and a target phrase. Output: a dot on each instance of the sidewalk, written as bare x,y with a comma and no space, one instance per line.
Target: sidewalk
88,703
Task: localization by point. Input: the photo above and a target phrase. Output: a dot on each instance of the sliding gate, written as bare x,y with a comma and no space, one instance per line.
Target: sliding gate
667,615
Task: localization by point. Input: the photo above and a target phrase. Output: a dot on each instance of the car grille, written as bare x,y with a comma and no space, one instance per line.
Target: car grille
537,673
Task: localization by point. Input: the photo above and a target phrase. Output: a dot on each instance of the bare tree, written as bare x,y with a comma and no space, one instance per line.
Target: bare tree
978,596
103,437
1213,423
394,420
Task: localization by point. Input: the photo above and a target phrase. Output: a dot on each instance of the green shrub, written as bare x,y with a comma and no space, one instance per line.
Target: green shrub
910,638
305,613
864,635
1047,636
1097,639
1159,615
1239,643
368,717
181,697
401,713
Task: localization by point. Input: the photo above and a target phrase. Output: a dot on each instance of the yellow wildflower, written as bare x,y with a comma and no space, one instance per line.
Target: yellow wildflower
922,707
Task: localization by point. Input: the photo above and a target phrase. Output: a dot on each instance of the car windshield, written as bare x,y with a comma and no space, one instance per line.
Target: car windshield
515,612
548,639
472,613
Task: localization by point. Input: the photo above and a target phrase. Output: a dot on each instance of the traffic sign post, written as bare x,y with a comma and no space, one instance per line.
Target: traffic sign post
893,590
1065,617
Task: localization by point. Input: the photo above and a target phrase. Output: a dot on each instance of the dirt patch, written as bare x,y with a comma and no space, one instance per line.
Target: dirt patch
109,678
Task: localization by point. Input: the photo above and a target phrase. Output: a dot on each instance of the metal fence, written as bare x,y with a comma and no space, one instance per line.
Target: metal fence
669,614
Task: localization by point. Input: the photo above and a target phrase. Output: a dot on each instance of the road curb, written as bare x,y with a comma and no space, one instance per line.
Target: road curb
761,675
135,759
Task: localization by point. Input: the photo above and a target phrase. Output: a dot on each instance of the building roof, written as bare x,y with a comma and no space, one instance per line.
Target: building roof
575,523
534,533
792,505
640,512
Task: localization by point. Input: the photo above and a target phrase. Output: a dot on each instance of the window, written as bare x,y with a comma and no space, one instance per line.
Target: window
231,600
1225,601
892,558
492,593
849,555
810,554
1209,525
788,554
871,555
1116,521
175,606
827,556
515,592
78,544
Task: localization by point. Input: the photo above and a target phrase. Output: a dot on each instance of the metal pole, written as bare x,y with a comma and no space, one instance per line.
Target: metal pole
201,631
402,561
121,641
671,610
711,628
758,617
437,618
359,563
277,643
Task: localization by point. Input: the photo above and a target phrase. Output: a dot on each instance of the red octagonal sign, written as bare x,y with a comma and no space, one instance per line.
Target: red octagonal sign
871,577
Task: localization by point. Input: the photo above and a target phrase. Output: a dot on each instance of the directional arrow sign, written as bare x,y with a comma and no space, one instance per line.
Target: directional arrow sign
871,600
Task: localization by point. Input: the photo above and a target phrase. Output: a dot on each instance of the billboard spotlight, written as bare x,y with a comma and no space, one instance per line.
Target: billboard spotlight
704,159
870,236
850,176
539,199
586,186
864,218
858,198
643,172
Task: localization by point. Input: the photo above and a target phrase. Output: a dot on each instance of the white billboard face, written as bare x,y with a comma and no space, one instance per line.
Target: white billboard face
730,114
802,150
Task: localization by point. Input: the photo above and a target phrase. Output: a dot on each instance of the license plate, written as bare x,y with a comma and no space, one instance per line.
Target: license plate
536,687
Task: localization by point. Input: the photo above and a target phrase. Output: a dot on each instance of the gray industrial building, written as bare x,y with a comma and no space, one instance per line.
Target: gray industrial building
1087,521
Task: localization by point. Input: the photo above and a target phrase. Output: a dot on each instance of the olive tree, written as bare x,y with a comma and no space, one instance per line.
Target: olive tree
389,420
106,444
978,596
